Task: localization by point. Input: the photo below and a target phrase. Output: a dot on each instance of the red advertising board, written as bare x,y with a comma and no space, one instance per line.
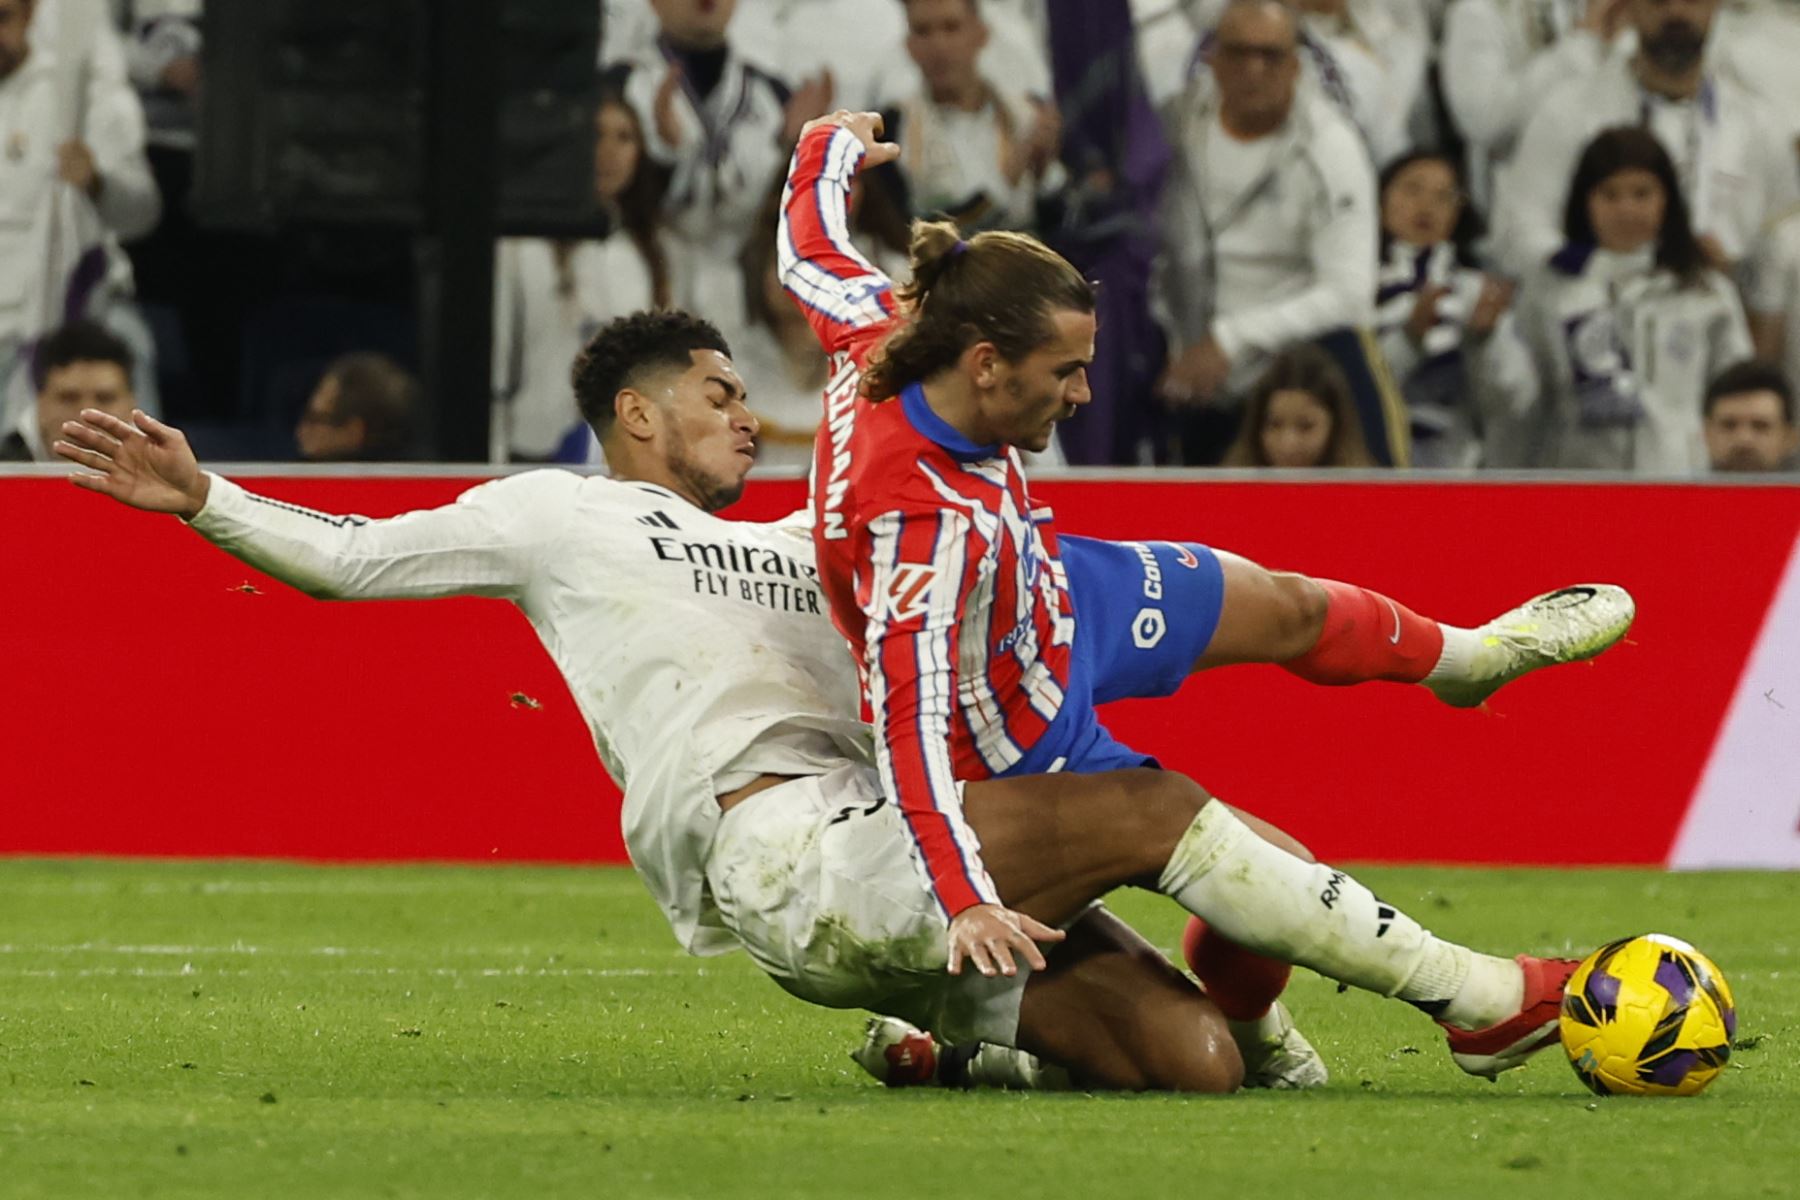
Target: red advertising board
163,699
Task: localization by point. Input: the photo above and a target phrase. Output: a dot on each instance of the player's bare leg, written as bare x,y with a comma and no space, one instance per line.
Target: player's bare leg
1113,1011
1338,633
1055,843
1110,1008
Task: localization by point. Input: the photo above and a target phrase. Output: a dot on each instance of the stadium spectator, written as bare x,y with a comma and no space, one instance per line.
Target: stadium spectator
81,365
1375,55
363,410
1772,293
1361,55
1750,419
73,182
974,151
1269,228
1300,415
723,127
1433,298
1735,166
1500,57
551,295
1623,327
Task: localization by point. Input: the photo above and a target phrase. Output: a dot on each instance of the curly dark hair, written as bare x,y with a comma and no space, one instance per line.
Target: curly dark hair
627,349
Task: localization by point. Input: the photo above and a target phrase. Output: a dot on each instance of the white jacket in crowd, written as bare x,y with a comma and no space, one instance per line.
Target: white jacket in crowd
550,298
727,158
1736,169
1757,42
1773,290
1372,57
1289,256
1499,60
1605,365
45,224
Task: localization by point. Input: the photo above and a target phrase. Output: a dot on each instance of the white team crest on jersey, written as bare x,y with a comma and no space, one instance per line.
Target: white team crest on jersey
908,593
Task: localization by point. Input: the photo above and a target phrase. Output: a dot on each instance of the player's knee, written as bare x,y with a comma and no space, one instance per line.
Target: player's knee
1206,1060
1164,804
1299,611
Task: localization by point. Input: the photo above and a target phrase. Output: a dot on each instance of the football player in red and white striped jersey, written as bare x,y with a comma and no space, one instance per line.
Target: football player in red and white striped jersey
961,603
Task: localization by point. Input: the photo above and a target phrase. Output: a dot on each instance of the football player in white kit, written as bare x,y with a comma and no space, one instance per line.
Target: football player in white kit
726,706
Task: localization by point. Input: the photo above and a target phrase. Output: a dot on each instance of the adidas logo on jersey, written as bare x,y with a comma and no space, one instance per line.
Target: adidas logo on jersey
658,520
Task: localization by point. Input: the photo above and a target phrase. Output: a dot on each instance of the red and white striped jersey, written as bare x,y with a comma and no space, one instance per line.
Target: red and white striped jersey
939,572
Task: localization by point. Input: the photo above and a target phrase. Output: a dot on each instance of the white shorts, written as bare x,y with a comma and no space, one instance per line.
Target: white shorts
820,881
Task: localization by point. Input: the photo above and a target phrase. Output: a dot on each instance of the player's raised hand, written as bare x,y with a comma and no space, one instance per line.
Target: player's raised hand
867,128
987,935
143,462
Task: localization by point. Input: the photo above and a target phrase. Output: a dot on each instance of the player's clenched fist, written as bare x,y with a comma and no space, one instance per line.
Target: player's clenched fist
867,128
987,935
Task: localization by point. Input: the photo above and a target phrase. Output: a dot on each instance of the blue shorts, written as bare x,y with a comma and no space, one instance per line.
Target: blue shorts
1144,612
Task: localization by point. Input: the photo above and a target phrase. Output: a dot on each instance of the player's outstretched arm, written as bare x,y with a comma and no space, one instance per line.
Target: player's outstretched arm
491,542
841,292
142,462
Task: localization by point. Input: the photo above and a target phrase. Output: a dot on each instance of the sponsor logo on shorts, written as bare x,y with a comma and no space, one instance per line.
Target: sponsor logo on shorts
1148,628
1185,556
1153,581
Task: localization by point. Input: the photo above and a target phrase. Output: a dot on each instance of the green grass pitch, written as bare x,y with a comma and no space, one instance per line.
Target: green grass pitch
255,1030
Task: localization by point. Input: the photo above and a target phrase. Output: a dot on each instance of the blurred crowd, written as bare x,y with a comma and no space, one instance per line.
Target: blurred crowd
1455,234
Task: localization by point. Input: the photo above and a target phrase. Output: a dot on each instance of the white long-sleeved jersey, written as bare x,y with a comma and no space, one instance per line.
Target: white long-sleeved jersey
1291,256
698,649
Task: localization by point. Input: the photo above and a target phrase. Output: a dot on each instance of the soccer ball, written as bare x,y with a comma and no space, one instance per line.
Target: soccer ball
1647,1016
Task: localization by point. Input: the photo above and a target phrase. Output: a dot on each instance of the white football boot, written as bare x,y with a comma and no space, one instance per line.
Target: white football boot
1276,1054
903,1055
896,1053
1564,626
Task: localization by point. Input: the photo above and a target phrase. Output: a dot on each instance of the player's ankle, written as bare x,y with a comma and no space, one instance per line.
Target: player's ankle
1463,989
1462,650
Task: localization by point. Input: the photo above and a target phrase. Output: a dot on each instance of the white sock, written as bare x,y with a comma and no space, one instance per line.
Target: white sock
1318,917
1253,1036
1461,648
1486,991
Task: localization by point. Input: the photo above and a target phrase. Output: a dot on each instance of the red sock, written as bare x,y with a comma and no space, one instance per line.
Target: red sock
1242,983
1367,636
